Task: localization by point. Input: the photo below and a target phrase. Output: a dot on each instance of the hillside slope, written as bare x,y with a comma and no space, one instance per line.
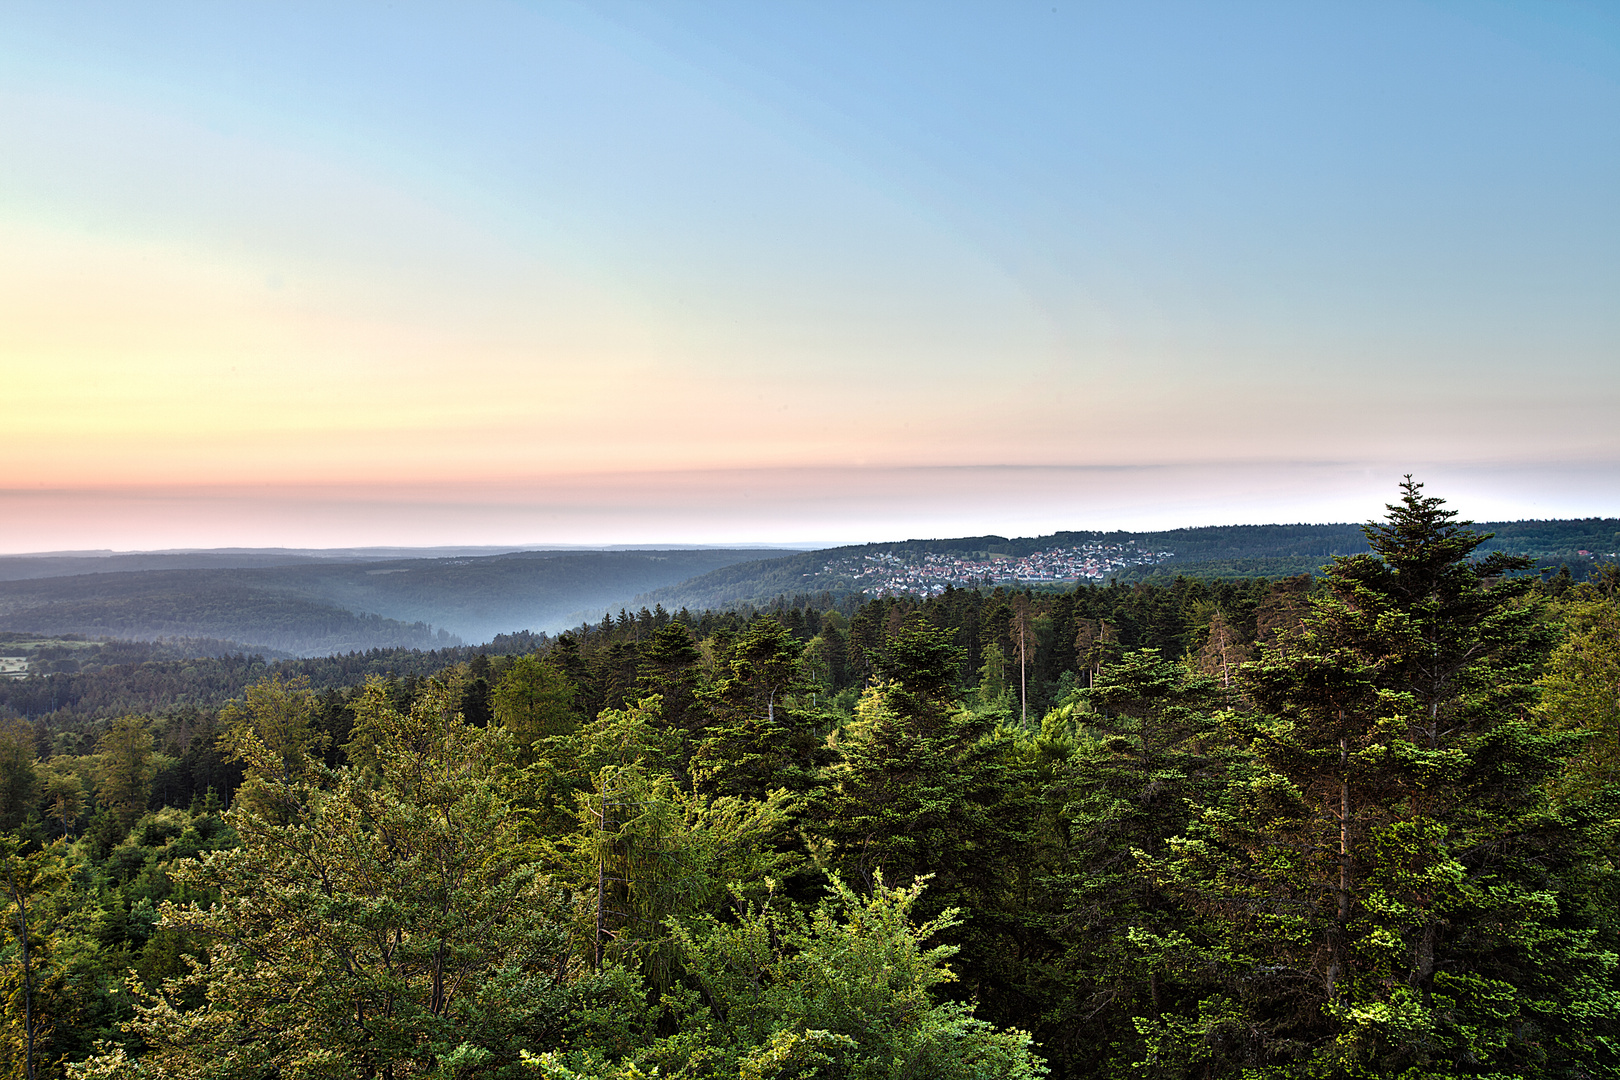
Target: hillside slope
317,607
1229,551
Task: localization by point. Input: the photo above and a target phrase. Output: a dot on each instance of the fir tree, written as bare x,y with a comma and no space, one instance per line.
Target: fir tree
1387,884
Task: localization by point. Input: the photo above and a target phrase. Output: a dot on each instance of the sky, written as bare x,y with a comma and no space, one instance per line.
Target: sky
334,274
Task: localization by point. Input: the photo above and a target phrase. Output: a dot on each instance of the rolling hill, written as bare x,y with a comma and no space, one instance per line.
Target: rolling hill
314,603
1230,551
322,606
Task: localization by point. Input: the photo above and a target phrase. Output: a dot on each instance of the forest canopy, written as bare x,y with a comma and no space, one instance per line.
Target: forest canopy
1358,824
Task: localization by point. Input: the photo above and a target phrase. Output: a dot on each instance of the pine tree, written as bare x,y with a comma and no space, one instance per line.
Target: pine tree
1386,883
756,738
124,771
396,927
926,787
670,667
1151,755
19,774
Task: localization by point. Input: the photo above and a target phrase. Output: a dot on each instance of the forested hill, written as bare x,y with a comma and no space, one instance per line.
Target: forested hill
294,603
1221,551
318,607
72,563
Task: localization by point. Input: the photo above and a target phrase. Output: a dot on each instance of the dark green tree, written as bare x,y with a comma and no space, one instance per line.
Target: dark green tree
19,776
123,772
1389,883
757,738
672,668
1151,755
926,787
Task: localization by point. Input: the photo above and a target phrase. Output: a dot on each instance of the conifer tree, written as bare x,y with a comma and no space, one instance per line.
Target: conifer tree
1386,885
19,774
44,950
1151,756
756,738
124,771
670,667
926,787
397,926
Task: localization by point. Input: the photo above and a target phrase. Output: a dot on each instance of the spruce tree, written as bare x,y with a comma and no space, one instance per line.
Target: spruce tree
756,738
1388,886
925,787
1149,758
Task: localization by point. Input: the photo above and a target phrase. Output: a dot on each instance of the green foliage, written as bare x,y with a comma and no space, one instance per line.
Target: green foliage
1382,888
841,992
1149,757
62,796
273,733
1319,827
48,970
534,700
391,921
648,852
917,778
20,779
124,770
1580,691
137,877
757,738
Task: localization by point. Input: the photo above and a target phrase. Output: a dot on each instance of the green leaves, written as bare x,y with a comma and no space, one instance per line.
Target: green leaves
47,972
396,915
842,991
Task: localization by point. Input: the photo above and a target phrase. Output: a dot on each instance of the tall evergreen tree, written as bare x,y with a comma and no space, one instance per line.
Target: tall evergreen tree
926,787
1386,885
1150,757
757,739
19,775
123,772
396,928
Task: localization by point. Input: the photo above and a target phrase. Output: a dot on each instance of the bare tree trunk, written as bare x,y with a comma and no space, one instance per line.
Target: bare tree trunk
1336,966
28,976
1023,691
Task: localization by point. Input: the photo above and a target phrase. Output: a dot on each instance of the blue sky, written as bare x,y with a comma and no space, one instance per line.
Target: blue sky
505,273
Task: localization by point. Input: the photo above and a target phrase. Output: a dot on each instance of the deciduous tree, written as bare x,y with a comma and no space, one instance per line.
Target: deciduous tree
395,927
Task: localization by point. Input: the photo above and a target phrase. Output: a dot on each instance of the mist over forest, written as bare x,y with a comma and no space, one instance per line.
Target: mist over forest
312,604
1086,805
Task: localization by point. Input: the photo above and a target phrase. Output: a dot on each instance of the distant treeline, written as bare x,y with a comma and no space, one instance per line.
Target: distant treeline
842,636
200,603
320,607
1029,650
1211,553
68,653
